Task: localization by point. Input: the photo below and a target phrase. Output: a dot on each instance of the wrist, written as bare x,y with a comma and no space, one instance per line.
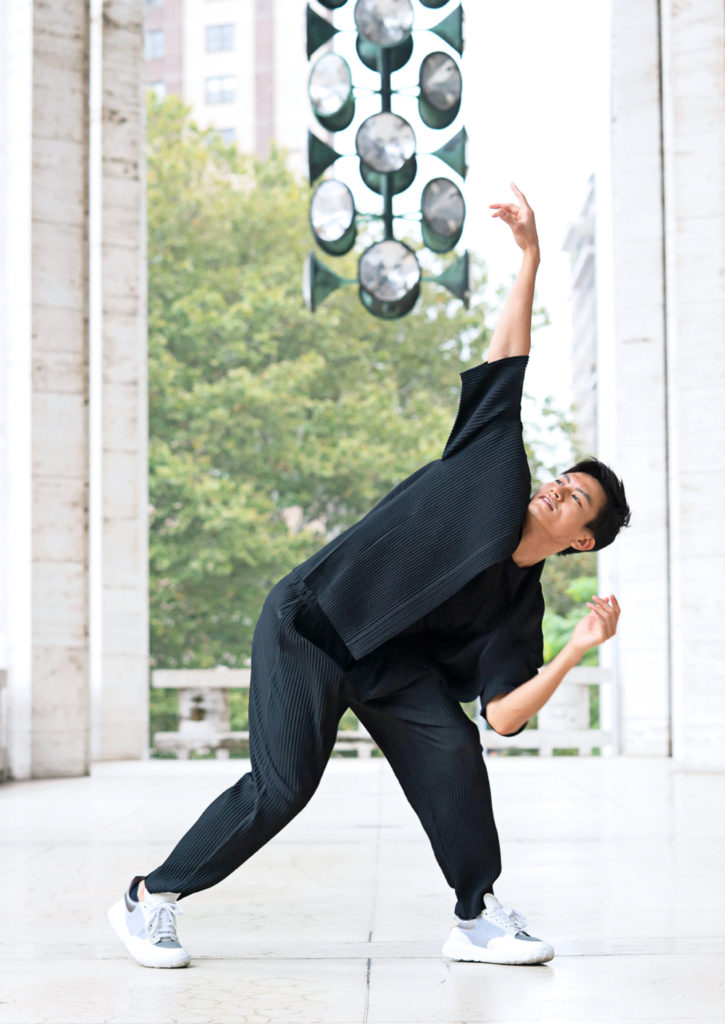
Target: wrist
572,653
532,253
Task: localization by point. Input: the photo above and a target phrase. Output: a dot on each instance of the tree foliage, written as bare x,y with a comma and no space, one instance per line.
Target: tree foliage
268,425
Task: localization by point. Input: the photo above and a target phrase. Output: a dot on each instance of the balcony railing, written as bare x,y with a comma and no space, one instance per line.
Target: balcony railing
564,725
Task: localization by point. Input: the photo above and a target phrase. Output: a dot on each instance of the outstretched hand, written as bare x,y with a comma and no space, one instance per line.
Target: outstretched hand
599,625
520,218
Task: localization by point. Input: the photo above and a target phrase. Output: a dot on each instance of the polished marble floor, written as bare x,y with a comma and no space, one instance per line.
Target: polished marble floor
619,863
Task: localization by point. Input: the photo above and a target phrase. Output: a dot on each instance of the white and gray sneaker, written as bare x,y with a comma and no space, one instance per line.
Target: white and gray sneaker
496,936
148,929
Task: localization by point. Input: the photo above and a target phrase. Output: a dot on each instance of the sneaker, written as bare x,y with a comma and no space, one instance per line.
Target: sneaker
496,937
148,929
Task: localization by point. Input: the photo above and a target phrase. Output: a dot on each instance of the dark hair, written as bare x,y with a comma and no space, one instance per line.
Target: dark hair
615,512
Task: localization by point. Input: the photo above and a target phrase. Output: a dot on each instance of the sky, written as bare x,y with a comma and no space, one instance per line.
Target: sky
536,86
535,106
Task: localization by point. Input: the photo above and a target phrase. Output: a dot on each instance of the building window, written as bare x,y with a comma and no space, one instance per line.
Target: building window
219,37
154,44
221,89
228,135
158,89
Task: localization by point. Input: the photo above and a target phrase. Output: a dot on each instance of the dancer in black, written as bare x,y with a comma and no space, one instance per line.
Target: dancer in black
433,598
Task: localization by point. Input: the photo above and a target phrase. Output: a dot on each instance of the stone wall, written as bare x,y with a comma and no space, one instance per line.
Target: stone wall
667,388
45,443
121,698
693,74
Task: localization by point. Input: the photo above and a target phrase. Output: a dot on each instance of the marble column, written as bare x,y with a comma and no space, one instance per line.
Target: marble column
119,394
693,104
667,386
72,315
633,384
45,386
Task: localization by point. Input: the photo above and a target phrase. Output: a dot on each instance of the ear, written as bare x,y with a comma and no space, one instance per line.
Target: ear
585,543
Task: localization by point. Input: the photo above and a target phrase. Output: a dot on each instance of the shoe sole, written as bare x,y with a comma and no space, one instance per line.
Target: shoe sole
460,949
142,951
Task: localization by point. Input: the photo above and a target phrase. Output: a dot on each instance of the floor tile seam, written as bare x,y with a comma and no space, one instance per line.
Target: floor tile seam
91,840
362,957
639,1019
468,1020
374,893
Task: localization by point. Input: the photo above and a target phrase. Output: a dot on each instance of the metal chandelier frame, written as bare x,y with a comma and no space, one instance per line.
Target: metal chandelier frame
389,274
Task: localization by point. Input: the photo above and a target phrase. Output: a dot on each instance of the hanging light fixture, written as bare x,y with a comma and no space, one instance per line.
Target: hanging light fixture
332,216
443,212
389,276
384,22
385,142
330,92
441,86
389,273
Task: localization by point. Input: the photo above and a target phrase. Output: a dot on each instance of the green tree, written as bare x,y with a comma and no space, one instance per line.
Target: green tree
269,428
256,407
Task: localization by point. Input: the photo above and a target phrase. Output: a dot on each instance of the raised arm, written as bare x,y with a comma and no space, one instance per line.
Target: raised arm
507,713
512,336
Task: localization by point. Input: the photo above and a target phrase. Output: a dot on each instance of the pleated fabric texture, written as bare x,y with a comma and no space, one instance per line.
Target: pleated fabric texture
295,704
421,544
439,528
435,751
298,693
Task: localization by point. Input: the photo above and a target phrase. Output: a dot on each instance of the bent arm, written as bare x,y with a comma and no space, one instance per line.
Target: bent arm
512,336
510,711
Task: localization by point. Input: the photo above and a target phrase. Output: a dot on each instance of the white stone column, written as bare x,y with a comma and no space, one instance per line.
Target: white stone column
693,43
45,385
120,507
16,106
48,458
632,386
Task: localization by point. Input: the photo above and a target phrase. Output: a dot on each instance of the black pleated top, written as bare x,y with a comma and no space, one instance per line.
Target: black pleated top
437,530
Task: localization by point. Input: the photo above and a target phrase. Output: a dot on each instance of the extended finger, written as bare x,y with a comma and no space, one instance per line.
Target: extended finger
607,614
596,611
518,193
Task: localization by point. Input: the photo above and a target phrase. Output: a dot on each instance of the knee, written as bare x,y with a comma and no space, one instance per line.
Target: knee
287,799
464,743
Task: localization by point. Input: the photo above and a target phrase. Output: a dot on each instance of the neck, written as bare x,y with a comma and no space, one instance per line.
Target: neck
533,547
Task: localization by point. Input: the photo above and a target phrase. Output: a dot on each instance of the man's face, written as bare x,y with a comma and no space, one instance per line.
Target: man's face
563,507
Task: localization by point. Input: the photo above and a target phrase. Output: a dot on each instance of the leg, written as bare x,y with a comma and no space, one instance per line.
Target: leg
435,751
295,705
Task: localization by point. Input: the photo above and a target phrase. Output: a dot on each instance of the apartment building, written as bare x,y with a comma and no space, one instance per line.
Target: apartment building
239,64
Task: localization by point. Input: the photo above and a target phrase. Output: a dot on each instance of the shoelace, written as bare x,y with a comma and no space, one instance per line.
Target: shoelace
506,918
161,922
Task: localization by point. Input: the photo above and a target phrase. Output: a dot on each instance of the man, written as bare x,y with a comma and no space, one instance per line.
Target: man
433,598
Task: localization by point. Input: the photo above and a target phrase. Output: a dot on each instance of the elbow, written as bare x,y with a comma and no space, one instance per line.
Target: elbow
501,721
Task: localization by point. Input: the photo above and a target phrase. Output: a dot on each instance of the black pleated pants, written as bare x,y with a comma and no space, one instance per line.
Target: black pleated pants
298,692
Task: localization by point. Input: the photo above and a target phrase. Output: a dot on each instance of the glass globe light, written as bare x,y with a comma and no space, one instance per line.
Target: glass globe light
384,22
443,213
332,216
440,81
385,142
330,84
389,277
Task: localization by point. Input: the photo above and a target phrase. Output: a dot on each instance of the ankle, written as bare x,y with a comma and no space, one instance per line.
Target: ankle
141,891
